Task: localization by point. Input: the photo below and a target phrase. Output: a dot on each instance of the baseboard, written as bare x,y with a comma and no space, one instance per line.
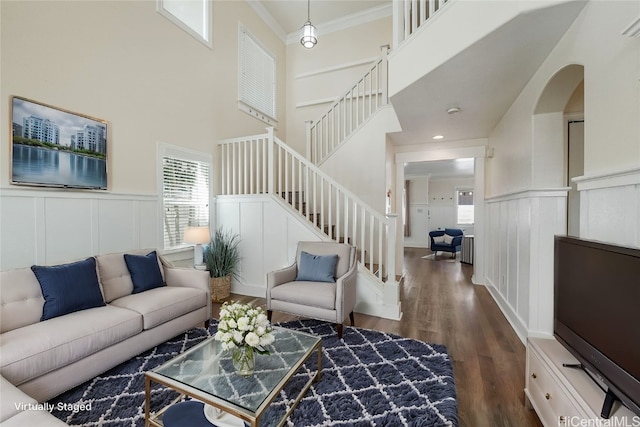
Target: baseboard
421,245
249,290
386,311
516,323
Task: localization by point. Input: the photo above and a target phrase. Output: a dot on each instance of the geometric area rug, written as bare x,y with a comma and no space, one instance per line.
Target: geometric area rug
369,378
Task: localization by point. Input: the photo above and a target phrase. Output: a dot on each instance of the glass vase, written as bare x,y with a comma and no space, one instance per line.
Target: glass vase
244,360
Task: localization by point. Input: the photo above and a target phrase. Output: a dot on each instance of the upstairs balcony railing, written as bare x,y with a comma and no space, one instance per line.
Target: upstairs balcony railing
370,92
263,164
409,15
349,112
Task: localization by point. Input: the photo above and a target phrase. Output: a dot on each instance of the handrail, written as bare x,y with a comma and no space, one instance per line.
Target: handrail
263,164
349,111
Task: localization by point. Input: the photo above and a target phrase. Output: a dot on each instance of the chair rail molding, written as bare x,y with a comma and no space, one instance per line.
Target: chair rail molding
608,179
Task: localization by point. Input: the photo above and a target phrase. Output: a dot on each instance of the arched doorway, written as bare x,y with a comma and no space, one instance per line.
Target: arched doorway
558,138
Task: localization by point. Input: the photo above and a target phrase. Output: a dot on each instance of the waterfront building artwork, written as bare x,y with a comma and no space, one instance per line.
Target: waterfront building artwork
55,147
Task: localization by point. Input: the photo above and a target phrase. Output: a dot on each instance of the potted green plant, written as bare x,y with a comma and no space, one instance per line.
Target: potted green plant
222,258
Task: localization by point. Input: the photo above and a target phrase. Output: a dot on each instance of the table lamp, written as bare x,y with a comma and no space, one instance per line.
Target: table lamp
198,236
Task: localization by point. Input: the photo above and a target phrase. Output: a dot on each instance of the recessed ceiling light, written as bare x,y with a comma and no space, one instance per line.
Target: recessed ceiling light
438,137
453,110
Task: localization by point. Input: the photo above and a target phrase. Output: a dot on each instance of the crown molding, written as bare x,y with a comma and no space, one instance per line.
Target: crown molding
345,22
268,19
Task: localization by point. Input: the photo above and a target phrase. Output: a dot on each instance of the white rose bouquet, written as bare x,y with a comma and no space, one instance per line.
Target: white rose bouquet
243,325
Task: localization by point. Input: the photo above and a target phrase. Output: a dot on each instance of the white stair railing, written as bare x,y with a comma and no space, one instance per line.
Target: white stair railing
409,15
263,164
350,111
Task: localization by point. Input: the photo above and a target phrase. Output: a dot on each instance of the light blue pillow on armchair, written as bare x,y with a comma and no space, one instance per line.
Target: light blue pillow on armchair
317,268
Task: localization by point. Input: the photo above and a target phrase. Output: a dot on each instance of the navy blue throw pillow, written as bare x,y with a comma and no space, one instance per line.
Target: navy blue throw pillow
68,287
317,268
145,271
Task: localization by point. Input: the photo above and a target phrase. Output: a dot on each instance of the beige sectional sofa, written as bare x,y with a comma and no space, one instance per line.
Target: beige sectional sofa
45,358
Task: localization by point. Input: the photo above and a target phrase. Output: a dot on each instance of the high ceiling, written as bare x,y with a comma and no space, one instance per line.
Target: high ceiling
291,14
483,80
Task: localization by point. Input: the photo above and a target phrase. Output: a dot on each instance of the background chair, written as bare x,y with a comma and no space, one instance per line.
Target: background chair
447,240
328,301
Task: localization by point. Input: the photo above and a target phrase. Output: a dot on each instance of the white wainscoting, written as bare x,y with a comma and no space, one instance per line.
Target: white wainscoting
520,236
269,234
519,274
610,207
268,237
50,227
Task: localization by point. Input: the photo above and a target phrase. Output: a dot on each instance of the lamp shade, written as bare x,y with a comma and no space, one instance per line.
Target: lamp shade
308,35
197,235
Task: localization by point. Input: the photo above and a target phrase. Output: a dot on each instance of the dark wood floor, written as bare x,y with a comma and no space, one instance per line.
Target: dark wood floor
441,305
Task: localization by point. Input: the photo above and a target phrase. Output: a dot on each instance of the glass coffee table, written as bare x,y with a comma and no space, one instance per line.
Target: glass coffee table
205,372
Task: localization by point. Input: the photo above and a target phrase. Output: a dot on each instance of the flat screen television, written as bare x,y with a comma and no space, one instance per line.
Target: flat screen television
597,314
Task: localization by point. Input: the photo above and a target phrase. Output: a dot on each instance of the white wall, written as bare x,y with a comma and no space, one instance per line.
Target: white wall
269,233
611,93
526,184
473,148
125,63
45,227
316,77
519,256
432,205
418,213
268,237
359,164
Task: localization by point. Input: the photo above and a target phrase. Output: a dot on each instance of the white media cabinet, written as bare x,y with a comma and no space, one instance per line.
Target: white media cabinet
564,396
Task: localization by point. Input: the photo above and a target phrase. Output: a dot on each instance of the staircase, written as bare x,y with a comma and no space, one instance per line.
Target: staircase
349,112
263,164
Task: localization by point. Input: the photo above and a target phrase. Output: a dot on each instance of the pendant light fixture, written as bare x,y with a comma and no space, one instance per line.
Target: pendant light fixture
308,33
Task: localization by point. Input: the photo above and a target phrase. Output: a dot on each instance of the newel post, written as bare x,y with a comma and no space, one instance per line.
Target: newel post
270,161
392,244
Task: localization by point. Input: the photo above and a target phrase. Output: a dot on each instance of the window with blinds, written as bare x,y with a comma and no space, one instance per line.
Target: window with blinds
465,207
185,197
257,79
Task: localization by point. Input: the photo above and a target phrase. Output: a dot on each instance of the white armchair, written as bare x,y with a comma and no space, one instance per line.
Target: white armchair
329,301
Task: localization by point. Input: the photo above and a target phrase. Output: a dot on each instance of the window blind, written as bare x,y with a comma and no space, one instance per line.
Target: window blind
185,196
257,84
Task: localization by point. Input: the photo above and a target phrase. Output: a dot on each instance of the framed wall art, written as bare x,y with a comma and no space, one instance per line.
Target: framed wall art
53,147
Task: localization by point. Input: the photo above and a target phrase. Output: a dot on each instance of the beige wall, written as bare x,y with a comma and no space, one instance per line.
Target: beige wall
611,105
337,49
360,164
123,62
443,191
419,190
